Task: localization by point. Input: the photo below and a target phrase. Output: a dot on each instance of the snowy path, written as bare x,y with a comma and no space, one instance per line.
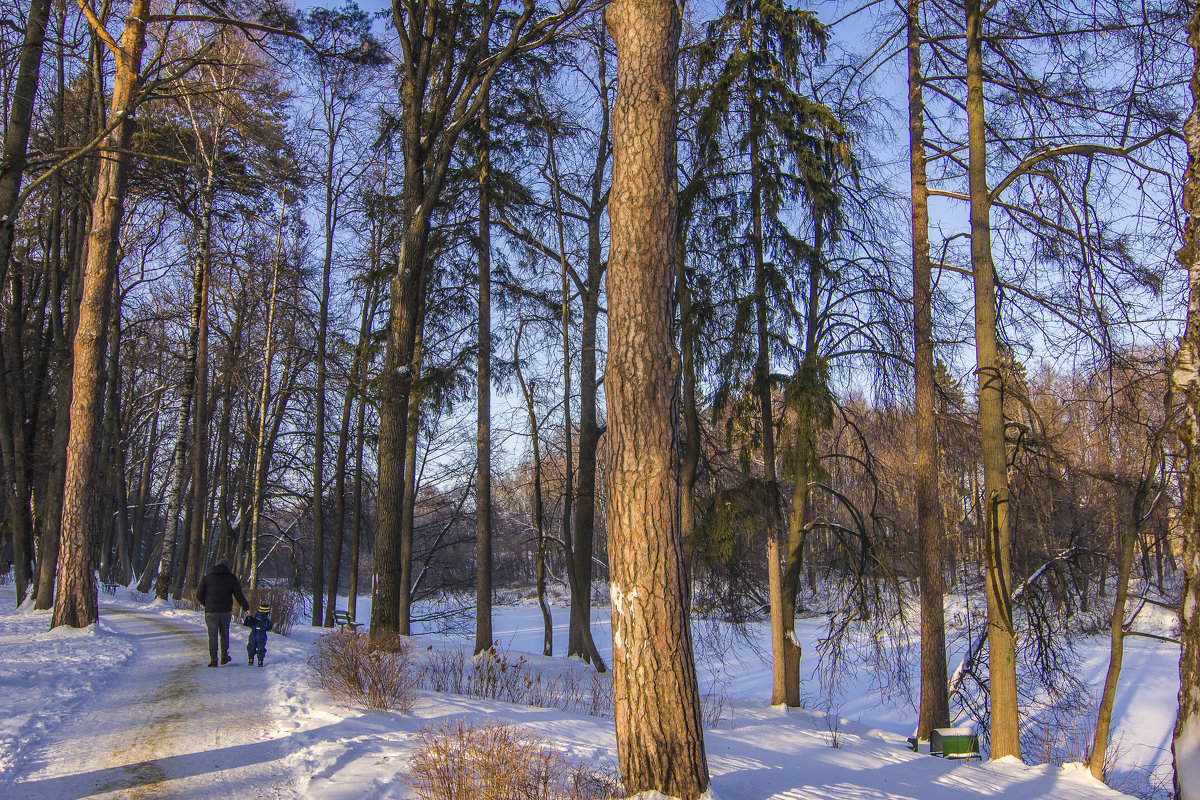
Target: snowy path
167,727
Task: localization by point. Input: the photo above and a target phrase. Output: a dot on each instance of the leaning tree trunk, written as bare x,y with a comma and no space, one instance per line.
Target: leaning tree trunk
1002,663
75,589
1108,696
935,699
1186,739
660,740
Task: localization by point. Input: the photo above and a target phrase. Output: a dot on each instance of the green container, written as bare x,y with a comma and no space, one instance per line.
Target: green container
954,743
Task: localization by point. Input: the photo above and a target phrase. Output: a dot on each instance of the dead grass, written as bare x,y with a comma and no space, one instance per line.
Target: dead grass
378,680
464,760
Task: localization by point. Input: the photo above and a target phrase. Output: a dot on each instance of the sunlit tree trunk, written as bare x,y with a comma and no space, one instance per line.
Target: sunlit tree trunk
1186,739
1002,664
660,741
75,589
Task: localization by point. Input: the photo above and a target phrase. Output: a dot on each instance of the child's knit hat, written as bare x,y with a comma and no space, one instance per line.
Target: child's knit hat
264,607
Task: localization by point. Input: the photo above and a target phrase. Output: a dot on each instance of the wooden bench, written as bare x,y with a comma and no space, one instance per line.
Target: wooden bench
954,743
343,620
109,588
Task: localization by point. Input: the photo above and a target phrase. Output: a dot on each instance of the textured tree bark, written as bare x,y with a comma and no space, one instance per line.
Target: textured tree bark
396,381
1002,665
483,419
935,699
1185,742
660,741
75,589
408,513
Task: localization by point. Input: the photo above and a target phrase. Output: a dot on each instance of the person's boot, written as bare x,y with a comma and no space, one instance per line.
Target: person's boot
260,661
250,661
212,662
225,659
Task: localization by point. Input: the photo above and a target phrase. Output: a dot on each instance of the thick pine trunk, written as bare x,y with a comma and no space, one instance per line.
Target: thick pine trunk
935,698
1002,664
660,740
1186,739
396,383
75,590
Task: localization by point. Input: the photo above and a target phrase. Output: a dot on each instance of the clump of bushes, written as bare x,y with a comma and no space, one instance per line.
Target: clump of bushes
464,760
378,680
286,607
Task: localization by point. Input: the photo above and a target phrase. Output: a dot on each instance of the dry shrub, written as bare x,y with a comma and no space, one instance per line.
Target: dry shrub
286,607
496,675
379,680
464,760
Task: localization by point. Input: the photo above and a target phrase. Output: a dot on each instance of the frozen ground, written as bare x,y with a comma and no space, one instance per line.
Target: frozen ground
129,710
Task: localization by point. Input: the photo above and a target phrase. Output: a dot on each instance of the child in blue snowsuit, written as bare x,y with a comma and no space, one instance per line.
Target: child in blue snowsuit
259,624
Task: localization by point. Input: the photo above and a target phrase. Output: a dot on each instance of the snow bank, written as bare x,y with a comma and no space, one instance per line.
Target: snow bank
45,674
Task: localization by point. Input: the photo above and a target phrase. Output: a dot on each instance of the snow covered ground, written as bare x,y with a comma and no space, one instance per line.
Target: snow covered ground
129,710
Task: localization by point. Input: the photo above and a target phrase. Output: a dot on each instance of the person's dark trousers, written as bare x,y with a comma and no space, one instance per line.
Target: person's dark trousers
218,624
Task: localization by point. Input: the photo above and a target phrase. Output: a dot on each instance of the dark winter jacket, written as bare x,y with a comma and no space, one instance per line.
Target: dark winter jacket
218,589
259,624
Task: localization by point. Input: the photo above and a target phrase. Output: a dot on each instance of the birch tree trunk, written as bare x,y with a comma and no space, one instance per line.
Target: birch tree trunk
1186,739
660,741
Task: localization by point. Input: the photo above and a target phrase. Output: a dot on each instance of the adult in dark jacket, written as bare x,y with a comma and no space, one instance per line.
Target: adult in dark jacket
217,591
